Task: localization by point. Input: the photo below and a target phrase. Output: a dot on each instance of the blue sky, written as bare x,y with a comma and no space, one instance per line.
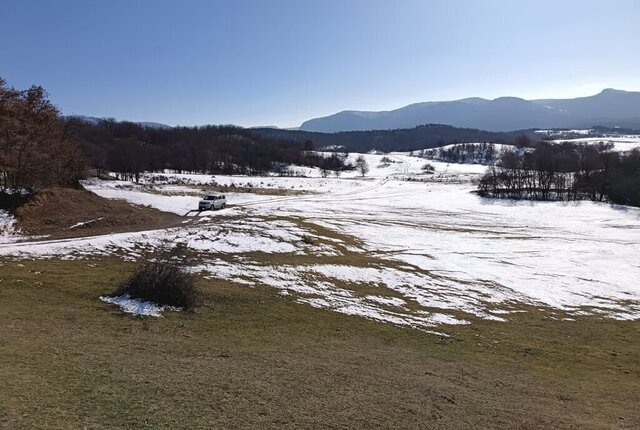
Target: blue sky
281,62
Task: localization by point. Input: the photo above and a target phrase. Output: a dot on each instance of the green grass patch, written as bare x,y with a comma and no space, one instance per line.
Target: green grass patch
249,358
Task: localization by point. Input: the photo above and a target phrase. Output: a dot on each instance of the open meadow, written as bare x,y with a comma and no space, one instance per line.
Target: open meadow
399,299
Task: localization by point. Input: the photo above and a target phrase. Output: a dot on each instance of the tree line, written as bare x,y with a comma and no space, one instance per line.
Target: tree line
469,153
130,149
39,148
565,171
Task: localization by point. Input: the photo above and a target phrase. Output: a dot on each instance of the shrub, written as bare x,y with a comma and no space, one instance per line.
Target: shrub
11,201
428,167
164,282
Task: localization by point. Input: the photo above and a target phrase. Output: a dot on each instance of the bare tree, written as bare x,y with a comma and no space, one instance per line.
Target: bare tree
35,149
362,166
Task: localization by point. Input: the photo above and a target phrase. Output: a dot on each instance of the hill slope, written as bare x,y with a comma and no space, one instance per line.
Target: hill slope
64,212
421,137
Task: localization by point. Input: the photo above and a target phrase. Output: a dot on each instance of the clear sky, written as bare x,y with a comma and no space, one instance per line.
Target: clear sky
281,62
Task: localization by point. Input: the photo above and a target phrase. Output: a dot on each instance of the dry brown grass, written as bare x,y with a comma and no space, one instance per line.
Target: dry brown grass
201,190
253,359
54,211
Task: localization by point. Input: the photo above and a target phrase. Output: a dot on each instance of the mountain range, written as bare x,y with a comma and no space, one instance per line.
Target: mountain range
608,108
95,120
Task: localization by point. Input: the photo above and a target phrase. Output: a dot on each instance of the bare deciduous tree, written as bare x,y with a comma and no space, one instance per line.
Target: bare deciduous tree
362,166
35,148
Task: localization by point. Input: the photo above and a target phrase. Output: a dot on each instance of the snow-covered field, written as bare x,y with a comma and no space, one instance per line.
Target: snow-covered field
398,245
583,132
620,143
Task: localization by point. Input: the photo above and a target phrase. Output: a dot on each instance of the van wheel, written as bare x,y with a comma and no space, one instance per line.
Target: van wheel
223,205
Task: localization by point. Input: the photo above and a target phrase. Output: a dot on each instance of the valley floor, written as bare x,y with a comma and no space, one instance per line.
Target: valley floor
498,314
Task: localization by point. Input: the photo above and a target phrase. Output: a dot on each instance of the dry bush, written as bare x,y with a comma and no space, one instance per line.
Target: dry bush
164,281
428,168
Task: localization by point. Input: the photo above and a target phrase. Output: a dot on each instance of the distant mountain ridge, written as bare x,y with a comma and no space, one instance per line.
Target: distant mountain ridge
94,120
608,108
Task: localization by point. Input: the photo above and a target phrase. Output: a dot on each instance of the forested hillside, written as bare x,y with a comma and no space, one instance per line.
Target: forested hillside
421,137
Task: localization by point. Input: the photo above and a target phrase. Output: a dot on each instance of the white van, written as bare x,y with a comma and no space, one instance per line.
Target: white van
212,201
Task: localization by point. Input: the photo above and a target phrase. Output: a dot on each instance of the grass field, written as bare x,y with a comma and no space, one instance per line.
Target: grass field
250,358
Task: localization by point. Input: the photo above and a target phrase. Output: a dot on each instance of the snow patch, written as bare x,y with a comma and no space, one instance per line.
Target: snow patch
80,224
137,306
8,231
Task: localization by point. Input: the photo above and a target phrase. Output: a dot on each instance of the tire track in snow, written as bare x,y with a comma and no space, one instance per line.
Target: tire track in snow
328,197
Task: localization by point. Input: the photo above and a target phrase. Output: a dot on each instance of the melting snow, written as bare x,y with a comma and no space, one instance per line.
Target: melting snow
138,306
439,250
620,143
8,231
80,224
